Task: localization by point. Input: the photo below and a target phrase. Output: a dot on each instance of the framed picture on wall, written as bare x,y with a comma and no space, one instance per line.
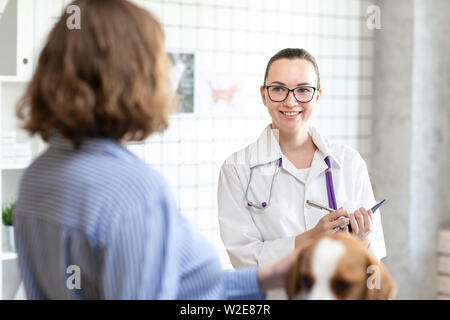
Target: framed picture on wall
183,75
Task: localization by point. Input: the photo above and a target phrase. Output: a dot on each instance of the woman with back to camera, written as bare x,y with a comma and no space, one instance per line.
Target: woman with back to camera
264,188
87,203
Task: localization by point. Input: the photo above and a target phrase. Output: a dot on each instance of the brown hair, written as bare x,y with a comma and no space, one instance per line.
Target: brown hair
293,53
107,79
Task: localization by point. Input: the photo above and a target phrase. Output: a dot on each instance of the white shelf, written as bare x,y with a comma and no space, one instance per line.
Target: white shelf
9,256
14,79
18,166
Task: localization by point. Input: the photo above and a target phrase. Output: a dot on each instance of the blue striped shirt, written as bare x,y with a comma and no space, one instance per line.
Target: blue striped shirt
104,212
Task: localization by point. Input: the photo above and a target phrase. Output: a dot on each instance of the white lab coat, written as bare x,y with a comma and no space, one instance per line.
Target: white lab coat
263,236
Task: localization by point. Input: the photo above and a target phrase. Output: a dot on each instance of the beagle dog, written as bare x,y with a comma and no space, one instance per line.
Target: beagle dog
338,267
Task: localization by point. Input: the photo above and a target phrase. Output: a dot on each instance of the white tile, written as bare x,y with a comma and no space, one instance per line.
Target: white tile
189,15
206,175
313,45
207,196
327,7
223,40
188,153
187,196
239,40
171,14
355,26
206,39
205,151
223,18
239,19
340,67
188,129
188,39
353,87
206,17
353,66
270,21
155,8
341,7
153,154
190,1
341,27
222,62
313,6
327,47
207,2
328,26
341,48
354,8
353,48
285,22
170,153
173,38
352,107
239,3
254,4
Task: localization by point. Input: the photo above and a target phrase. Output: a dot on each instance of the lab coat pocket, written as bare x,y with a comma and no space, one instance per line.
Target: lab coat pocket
271,221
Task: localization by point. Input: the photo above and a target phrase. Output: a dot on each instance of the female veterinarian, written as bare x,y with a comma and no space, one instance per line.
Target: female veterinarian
264,188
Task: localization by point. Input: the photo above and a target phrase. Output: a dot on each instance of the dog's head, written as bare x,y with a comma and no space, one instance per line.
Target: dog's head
339,267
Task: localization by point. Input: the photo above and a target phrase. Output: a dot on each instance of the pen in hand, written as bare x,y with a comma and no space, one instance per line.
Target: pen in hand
319,206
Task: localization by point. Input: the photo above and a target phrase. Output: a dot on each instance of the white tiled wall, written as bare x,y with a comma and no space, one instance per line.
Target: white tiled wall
232,42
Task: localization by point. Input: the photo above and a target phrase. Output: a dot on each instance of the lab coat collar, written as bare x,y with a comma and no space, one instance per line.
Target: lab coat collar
267,148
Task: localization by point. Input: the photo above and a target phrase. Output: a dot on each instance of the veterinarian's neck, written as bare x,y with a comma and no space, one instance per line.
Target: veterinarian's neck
300,141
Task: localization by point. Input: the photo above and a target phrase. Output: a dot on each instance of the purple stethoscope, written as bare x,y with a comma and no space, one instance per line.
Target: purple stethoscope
330,187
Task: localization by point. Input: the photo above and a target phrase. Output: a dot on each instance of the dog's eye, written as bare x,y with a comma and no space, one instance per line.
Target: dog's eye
341,286
306,281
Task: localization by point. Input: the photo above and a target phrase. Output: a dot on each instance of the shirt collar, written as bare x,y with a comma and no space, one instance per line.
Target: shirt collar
267,148
91,145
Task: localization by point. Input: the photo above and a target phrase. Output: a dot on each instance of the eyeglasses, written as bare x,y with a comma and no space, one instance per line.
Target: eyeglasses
302,94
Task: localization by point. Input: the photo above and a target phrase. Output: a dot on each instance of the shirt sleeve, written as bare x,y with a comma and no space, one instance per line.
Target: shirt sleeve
242,284
366,197
243,241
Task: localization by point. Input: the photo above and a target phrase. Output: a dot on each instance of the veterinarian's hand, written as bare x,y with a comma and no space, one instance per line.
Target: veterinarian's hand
361,223
331,221
274,276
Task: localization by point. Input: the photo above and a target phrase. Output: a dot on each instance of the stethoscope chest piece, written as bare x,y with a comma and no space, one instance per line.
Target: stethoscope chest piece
263,204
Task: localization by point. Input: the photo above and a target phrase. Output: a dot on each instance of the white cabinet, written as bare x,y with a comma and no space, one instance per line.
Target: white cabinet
16,39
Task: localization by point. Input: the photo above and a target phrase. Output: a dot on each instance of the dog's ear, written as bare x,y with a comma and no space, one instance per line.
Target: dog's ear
380,285
292,280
